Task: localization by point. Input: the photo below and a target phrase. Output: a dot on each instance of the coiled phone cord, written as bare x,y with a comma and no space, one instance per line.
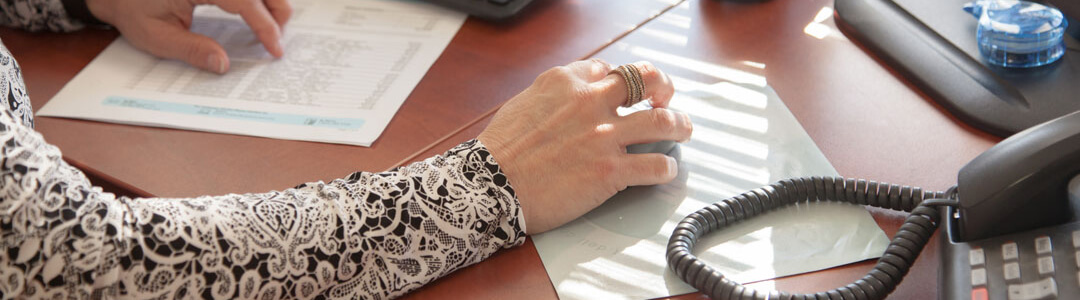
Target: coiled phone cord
879,282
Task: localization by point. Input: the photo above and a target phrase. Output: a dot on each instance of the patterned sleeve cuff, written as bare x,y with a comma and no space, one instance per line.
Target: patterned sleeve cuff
479,166
37,15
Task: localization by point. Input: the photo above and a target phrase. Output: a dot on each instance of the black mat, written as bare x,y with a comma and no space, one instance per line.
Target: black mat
932,44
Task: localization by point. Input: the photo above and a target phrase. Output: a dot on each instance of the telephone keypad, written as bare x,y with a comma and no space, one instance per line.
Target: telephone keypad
1041,264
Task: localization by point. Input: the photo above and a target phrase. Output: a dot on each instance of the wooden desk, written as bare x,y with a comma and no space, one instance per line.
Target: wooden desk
869,123
484,65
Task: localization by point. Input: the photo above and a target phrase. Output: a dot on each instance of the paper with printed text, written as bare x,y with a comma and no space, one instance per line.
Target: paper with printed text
348,67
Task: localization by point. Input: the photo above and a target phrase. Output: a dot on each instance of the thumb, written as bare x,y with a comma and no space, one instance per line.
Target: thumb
176,42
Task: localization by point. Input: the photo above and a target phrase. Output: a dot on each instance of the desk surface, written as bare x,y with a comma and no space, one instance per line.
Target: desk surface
867,121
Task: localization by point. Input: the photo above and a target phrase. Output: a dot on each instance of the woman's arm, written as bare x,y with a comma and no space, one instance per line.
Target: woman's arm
370,235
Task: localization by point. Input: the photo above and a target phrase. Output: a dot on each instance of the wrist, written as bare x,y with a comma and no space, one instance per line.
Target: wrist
478,159
507,160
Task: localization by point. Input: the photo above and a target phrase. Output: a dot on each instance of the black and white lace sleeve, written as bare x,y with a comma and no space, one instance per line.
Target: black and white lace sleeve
37,15
370,235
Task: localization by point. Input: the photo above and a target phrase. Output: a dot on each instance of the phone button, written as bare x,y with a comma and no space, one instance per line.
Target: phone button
979,294
1046,265
1042,245
1042,289
978,277
1009,251
1012,271
976,257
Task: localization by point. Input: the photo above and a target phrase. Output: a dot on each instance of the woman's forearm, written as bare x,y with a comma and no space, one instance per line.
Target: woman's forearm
371,235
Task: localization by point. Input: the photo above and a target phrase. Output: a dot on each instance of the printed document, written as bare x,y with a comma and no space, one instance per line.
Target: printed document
744,138
348,67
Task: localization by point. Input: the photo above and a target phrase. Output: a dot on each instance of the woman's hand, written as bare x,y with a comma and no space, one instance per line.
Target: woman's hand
563,146
161,27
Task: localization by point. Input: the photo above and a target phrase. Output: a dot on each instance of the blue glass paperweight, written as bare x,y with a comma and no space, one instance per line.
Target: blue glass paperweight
1018,34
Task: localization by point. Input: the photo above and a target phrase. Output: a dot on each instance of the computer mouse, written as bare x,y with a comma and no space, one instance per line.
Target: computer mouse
662,147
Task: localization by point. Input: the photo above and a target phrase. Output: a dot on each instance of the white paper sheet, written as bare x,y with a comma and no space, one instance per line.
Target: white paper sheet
348,67
744,138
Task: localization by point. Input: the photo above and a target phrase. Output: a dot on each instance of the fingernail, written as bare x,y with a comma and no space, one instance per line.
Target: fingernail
672,167
216,63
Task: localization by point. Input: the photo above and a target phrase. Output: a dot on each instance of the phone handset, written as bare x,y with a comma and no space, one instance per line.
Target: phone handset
1021,183
997,193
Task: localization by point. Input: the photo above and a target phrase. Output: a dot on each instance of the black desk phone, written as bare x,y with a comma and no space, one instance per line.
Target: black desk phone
1012,224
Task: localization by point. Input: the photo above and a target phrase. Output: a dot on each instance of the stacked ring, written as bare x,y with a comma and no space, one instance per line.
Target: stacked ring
635,86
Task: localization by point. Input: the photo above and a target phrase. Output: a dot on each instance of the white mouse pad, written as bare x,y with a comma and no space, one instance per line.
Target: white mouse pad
744,138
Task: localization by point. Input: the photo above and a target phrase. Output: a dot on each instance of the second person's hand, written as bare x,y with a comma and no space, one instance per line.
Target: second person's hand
162,27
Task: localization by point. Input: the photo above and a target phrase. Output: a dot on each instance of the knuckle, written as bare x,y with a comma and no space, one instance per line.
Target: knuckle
584,93
664,120
607,169
600,65
282,13
284,6
663,89
283,9
556,73
193,51
604,134
264,30
667,92
649,72
620,187
687,125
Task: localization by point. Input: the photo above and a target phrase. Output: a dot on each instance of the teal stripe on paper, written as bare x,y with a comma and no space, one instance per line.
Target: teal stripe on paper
236,114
